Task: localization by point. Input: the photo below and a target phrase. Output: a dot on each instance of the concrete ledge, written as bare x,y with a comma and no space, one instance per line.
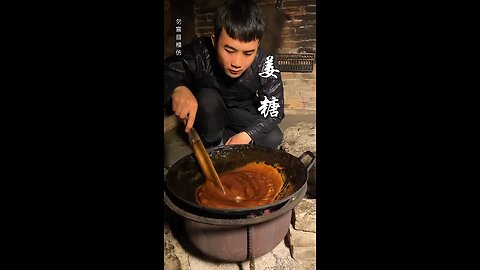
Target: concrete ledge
169,122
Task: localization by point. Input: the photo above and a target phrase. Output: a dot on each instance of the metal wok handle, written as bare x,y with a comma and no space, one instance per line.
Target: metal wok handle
308,164
165,171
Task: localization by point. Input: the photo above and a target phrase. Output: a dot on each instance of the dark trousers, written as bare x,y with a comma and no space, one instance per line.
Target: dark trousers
214,121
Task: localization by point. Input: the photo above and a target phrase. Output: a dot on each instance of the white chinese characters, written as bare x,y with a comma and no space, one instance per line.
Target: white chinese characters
269,107
178,37
269,69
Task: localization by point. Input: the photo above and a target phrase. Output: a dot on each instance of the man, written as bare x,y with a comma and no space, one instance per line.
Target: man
226,87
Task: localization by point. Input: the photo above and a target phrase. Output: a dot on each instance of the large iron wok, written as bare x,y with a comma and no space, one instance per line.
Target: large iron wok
185,177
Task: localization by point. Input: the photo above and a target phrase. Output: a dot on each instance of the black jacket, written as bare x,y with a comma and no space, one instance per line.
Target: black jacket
197,68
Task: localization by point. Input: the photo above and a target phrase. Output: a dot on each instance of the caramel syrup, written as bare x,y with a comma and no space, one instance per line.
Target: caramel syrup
251,185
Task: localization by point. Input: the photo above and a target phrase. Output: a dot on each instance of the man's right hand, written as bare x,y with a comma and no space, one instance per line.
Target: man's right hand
184,104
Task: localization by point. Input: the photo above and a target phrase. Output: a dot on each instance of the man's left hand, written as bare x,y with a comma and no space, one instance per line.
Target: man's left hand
239,138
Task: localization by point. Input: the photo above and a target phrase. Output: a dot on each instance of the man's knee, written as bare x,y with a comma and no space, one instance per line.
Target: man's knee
209,102
210,117
276,138
272,139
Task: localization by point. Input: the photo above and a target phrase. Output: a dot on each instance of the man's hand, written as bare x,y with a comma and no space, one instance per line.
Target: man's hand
184,104
239,138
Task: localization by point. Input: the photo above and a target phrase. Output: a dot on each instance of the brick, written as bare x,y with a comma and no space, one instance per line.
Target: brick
205,31
299,85
308,76
311,9
306,50
288,31
294,84
306,17
305,82
295,11
287,50
265,6
306,44
295,3
294,105
292,99
294,23
310,106
289,38
266,1
202,17
289,45
288,75
306,100
299,112
290,112
306,29
305,36
307,93
292,92
204,10
292,96
204,24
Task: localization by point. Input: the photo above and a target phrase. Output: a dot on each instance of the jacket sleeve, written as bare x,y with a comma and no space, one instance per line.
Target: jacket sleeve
272,91
182,69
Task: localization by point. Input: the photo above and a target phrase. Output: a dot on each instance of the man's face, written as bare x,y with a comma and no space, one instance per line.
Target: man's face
233,55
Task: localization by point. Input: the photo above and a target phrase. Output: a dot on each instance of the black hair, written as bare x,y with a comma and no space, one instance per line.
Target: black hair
242,19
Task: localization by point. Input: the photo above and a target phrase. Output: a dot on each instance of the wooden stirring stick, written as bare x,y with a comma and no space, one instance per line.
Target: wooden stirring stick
203,158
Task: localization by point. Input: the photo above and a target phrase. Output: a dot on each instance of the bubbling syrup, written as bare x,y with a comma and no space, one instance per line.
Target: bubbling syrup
251,185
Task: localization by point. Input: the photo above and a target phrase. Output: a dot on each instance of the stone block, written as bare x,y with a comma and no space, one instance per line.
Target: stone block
298,238
304,253
304,216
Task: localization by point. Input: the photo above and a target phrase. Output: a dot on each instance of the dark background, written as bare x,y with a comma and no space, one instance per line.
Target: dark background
82,101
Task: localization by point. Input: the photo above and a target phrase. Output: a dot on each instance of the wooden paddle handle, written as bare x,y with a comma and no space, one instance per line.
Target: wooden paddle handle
203,158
